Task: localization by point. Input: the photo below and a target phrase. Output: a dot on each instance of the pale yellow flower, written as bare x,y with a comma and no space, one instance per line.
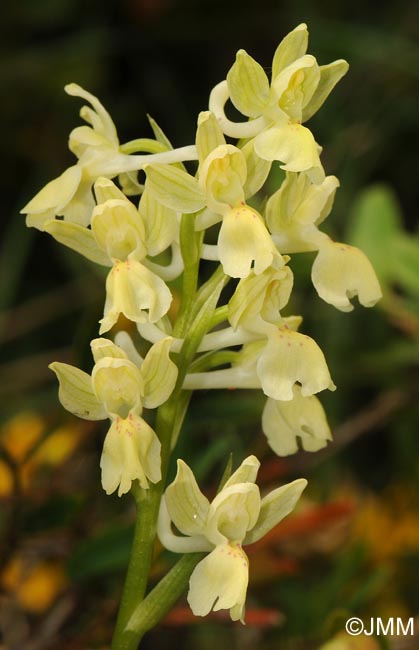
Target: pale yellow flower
277,109
118,238
226,176
99,153
290,357
294,212
97,148
119,387
340,272
237,516
302,418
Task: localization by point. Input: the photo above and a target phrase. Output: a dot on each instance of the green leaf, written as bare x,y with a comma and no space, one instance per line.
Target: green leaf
405,262
375,221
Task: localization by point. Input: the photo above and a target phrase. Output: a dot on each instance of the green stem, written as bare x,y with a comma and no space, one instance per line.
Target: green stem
190,244
145,145
220,315
193,322
140,558
212,360
161,599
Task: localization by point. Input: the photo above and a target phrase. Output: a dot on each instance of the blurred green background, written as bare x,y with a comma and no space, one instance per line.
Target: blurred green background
354,547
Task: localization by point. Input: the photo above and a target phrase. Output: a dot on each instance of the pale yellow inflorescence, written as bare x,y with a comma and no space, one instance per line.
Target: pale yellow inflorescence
85,210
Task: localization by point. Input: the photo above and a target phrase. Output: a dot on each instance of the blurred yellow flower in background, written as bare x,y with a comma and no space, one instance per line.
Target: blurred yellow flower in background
34,586
389,525
28,446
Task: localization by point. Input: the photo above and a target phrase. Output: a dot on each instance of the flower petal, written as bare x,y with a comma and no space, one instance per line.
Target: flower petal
102,348
174,188
293,46
274,507
246,473
76,392
296,209
131,289
159,374
248,85
187,506
209,135
221,177
131,451
259,298
118,384
220,581
79,239
160,222
106,190
329,76
79,209
118,229
291,357
244,239
232,513
53,197
340,272
301,417
178,543
294,145
100,119
257,170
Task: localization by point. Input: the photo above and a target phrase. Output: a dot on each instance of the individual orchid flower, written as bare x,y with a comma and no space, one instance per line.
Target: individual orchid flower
258,299
243,239
237,516
340,272
290,357
294,212
276,357
118,238
99,154
276,110
287,356
119,388
226,176
302,418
